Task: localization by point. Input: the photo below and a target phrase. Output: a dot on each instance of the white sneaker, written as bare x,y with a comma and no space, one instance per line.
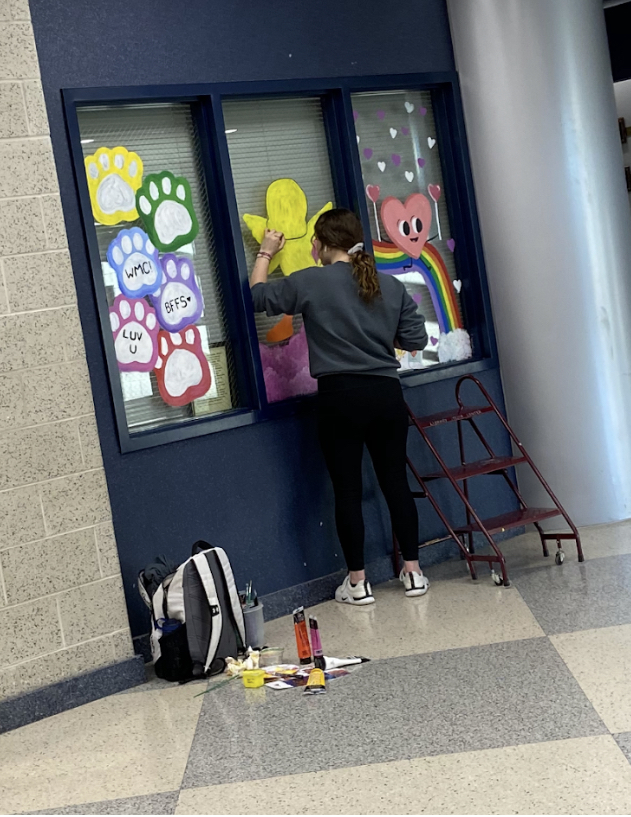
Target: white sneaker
359,594
416,584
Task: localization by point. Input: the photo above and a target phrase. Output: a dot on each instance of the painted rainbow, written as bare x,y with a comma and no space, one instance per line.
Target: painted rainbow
392,261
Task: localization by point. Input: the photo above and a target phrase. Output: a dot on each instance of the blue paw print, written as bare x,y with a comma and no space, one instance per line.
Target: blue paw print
178,302
136,263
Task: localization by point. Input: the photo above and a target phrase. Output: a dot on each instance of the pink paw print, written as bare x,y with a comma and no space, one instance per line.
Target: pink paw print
182,370
135,329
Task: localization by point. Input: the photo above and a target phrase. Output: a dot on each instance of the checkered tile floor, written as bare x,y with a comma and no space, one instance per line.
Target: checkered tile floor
477,700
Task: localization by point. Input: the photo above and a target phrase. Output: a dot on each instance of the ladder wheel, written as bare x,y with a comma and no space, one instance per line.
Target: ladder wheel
560,557
497,579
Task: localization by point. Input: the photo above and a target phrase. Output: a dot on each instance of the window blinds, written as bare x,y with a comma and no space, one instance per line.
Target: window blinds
271,139
165,137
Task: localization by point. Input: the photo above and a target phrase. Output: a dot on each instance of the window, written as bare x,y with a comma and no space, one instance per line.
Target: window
279,155
409,220
157,252
177,186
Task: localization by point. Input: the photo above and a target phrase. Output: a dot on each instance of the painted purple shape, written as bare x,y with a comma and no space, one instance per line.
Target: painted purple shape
434,341
417,297
355,116
286,368
451,244
396,159
381,114
405,131
368,153
135,330
420,162
422,111
178,302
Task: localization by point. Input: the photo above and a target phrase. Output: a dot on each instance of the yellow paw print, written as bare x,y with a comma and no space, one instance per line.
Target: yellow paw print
114,175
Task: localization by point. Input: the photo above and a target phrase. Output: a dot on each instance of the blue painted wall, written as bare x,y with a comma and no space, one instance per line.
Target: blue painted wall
261,492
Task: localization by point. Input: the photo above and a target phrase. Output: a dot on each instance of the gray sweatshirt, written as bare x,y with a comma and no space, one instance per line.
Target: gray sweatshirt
346,335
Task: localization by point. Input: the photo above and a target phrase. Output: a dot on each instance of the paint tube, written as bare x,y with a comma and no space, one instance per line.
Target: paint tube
316,644
302,637
316,684
335,663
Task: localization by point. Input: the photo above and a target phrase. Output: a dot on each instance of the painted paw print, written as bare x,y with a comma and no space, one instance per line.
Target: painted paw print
166,207
135,331
113,178
136,263
178,302
182,370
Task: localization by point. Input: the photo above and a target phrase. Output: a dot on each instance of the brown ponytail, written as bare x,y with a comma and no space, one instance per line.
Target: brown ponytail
341,230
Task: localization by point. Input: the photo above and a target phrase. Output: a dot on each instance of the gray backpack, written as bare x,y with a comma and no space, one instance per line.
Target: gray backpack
196,616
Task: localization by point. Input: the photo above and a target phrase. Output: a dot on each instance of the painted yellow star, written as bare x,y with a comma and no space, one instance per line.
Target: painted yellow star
286,206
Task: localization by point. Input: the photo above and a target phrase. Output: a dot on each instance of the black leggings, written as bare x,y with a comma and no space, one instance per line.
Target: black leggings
358,409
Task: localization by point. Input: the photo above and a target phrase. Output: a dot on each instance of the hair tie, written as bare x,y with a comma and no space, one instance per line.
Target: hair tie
355,248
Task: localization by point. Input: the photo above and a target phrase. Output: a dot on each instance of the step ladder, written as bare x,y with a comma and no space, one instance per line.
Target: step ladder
459,478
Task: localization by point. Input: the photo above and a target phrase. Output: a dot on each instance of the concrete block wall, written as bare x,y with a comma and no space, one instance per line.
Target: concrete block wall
62,610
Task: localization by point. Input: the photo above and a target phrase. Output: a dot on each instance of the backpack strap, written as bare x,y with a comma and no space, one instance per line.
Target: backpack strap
203,568
235,603
143,590
157,613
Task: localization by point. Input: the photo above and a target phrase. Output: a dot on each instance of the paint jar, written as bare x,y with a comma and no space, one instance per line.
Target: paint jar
253,678
254,626
271,656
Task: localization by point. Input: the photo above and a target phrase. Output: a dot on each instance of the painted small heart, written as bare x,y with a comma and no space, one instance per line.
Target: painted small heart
409,175
434,191
396,159
417,297
381,166
355,115
381,114
393,132
422,111
405,131
409,107
368,153
431,142
420,162
434,341
357,139
457,286
372,191
451,244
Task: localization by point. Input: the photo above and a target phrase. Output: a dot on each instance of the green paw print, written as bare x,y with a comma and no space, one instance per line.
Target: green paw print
166,208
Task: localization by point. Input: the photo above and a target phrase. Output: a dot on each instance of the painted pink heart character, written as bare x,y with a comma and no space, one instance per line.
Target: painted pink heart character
407,225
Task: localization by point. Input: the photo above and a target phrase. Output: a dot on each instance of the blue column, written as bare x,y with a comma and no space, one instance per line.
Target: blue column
546,156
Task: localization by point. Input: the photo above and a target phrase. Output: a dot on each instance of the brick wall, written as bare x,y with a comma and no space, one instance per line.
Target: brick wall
62,610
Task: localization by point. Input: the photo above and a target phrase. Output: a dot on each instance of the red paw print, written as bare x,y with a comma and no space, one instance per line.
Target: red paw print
182,370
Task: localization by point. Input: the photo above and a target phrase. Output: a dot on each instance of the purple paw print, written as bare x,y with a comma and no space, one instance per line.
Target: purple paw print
178,302
135,332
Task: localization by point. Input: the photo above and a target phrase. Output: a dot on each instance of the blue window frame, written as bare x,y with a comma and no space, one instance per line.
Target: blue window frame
336,95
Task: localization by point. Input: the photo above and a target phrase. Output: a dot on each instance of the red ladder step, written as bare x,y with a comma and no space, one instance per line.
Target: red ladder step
478,468
451,416
514,519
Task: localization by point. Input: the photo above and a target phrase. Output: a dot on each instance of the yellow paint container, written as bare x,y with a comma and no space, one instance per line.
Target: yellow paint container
253,678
